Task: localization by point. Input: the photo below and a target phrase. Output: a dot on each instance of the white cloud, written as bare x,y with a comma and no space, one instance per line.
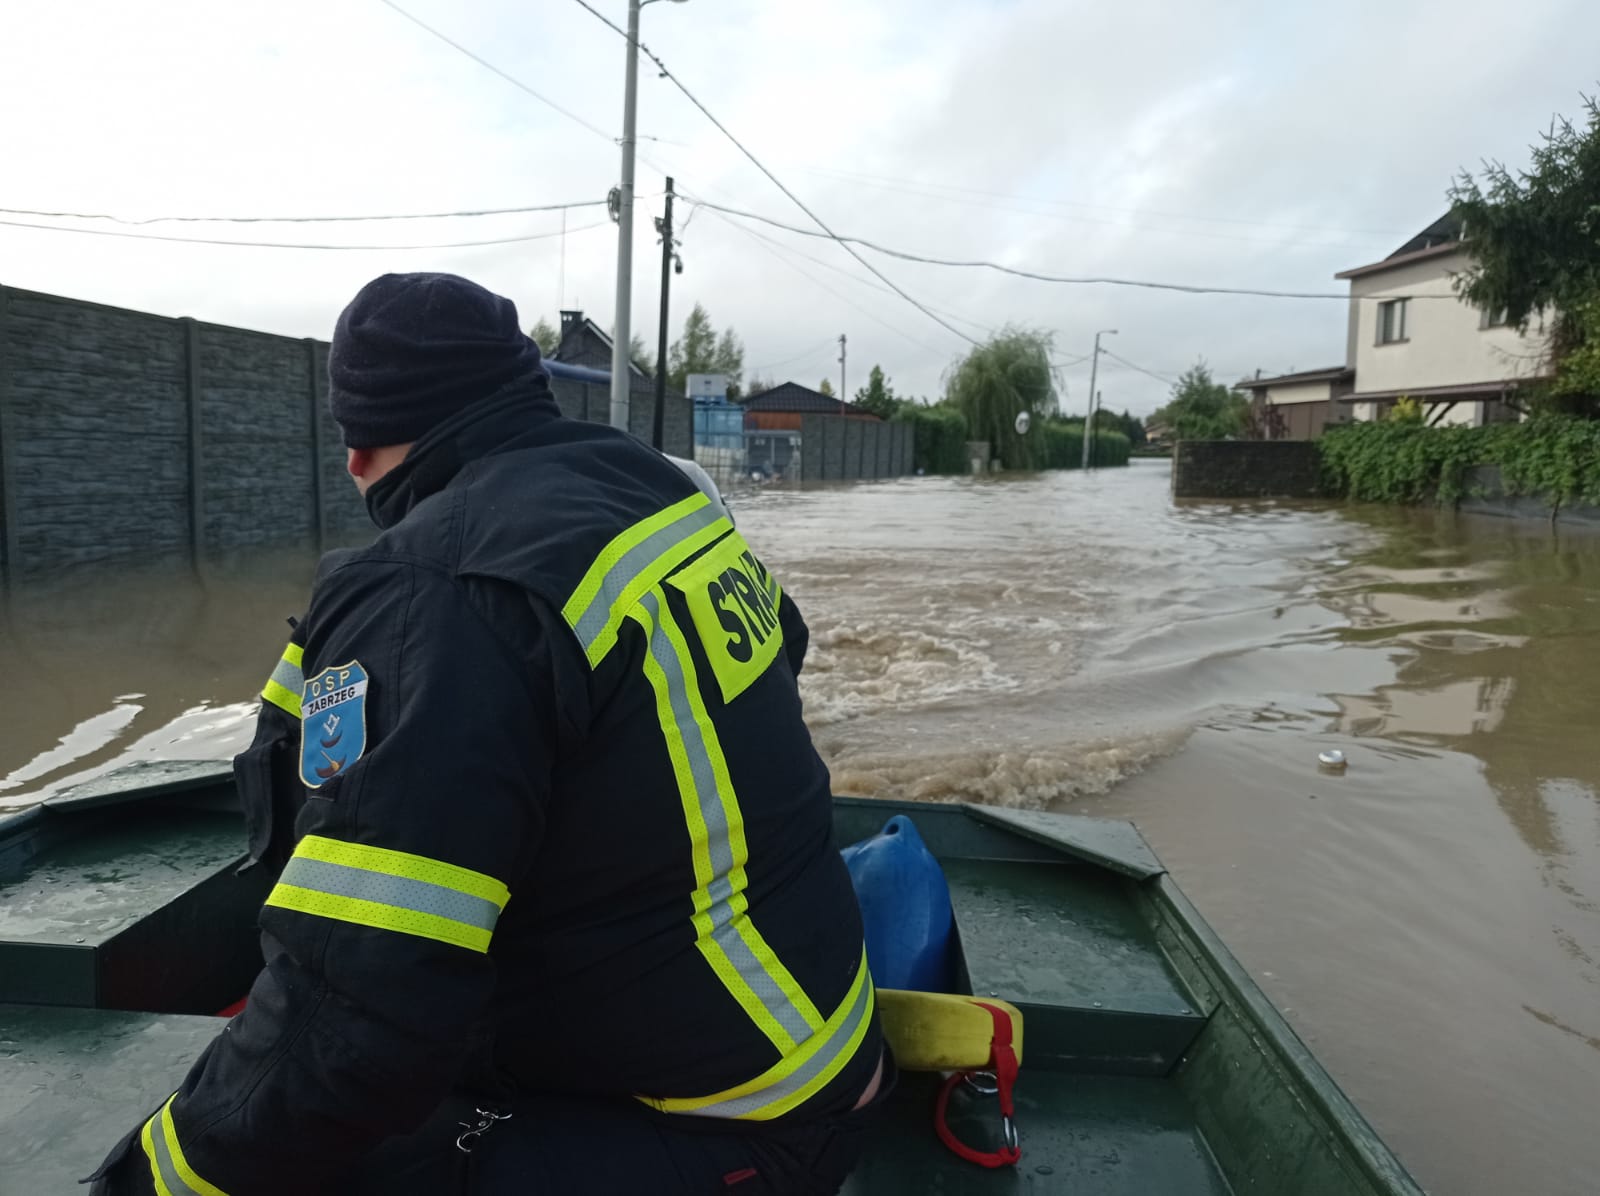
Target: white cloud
1235,141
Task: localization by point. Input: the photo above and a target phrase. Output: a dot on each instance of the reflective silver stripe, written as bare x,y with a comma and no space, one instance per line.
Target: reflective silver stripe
399,892
166,1169
720,889
635,563
825,1053
288,675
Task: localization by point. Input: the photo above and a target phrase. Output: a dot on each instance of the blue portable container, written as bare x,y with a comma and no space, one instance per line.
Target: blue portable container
905,908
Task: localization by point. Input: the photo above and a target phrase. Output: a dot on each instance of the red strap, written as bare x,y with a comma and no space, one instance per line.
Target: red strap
1003,1061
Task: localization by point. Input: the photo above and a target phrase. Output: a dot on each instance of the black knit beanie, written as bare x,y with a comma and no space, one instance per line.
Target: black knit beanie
413,349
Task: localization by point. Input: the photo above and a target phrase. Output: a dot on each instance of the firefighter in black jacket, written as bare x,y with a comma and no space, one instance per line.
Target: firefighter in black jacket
559,907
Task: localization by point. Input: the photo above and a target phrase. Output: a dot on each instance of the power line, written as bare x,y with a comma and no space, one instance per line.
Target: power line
778,183
1038,277
489,66
811,352
904,183
552,207
856,278
112,232
815,281
1150,373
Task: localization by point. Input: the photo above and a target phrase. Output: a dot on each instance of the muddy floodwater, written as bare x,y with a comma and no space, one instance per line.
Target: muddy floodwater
1429,919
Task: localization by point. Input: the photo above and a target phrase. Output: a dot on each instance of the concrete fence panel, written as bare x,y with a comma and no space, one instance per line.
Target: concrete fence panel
94,433
833,450
129,436
258,484
1246,469
850,457
812,430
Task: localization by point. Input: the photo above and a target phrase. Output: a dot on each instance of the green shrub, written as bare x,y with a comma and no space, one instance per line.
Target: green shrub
939,437
1389,461
1063,445
1110,448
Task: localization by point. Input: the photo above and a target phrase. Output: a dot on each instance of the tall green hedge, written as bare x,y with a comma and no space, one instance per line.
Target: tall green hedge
939,437
1395,461
1063,446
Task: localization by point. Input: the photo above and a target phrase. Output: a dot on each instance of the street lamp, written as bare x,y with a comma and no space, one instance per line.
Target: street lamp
1094,365
621,367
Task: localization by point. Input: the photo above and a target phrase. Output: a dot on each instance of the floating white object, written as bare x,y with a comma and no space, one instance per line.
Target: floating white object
1333,759
1023,421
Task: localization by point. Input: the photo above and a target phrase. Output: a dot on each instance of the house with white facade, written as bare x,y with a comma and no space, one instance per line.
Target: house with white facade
1411,336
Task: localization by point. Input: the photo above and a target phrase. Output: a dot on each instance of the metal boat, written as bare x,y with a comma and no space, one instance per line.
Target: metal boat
1153,1064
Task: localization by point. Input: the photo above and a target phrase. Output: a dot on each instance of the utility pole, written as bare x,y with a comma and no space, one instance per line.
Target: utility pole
1094,366
664,227
1094,425
621,374
841,373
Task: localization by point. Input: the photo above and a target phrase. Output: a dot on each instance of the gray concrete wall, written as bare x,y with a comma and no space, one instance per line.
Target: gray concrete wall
834,449
850,463
72,478
129,436
1246,469
256,480
812,430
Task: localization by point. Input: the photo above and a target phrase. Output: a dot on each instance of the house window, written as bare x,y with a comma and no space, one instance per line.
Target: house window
1492,318
1392,321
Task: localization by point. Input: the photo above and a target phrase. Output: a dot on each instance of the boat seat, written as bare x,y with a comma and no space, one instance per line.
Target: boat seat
1083,1135
1062,941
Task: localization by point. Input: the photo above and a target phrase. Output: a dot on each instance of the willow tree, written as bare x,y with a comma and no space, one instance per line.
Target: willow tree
998,381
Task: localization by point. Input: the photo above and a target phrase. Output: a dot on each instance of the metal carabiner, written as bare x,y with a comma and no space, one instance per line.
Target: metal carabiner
984,1083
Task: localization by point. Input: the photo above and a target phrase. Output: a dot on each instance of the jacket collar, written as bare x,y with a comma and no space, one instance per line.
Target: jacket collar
490,425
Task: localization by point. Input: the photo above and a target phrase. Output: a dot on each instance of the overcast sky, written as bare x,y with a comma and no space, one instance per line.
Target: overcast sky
1249,143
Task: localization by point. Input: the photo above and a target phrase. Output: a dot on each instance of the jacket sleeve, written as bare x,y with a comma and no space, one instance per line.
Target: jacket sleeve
378,936
796,635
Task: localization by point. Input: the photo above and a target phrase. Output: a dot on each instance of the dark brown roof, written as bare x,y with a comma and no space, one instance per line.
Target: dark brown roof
1332,373
791,396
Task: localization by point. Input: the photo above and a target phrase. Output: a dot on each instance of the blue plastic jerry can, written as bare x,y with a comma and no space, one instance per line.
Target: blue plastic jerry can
905,909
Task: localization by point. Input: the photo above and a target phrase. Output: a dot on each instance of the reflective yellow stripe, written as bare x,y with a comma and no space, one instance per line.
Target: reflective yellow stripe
284,688
281,698
403,863
724,934
797,1077
632,563
740,851
168,1168
391,890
